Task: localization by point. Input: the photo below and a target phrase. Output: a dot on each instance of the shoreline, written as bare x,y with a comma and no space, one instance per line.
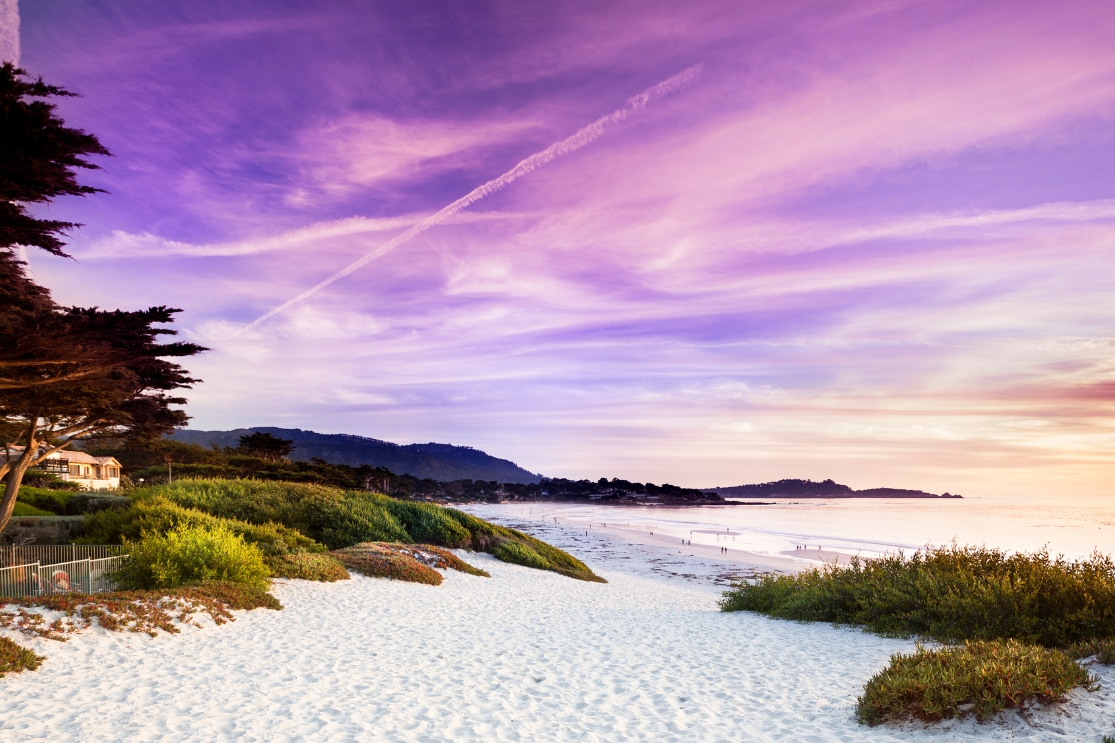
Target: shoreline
697,557
695,561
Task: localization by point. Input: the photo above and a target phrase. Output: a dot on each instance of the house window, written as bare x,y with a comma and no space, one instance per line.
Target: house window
75,470
57,466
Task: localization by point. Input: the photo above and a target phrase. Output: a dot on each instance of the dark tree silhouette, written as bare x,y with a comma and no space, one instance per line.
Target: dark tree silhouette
66,374
266,446
37,160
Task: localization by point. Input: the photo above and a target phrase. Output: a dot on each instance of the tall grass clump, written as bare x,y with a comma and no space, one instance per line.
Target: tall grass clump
949,594
189,555
979,678
340,519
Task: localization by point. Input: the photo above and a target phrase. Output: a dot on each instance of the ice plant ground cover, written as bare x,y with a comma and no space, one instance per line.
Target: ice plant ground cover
407,562
16,658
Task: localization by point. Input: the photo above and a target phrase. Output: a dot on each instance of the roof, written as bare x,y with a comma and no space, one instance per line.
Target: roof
77,457
81,457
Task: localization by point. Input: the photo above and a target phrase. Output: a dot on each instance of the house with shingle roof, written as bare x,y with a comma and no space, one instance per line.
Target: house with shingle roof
89,472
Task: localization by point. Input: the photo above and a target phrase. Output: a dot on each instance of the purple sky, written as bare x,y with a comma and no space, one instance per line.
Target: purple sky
873,242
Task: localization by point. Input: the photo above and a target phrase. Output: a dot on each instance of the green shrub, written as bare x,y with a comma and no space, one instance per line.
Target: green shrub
47,500
64,503
296,505
519,554
949,594
40,480
188,555
15,658
159,515
306,566
980,678
24,509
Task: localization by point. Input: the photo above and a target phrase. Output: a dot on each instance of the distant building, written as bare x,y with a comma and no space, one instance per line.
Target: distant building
91,473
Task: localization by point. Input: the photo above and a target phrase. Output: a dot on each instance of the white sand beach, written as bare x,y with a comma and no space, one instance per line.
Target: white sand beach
521,656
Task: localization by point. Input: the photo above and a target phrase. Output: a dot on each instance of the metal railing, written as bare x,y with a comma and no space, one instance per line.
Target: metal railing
75,576
49,554
19,580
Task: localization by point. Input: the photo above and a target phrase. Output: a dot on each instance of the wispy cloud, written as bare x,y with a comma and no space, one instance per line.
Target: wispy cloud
120,244
362,151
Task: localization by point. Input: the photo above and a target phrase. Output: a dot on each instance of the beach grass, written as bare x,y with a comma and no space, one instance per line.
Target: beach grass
1013,623
978,678
15,658
340,519
949,594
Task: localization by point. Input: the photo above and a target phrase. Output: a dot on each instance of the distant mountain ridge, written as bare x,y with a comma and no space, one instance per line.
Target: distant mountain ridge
823,489
441,462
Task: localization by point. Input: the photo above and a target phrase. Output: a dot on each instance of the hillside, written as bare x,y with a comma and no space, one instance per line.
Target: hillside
441,462
810,489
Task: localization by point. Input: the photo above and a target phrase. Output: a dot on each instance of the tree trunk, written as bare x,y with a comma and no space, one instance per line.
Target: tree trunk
15,474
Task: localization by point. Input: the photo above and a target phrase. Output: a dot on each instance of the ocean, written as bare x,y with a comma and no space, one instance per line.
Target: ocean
1073,526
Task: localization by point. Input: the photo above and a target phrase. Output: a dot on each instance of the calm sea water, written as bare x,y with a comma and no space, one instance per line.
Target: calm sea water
1072,526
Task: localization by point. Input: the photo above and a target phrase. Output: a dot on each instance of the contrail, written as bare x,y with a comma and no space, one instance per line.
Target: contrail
575,142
